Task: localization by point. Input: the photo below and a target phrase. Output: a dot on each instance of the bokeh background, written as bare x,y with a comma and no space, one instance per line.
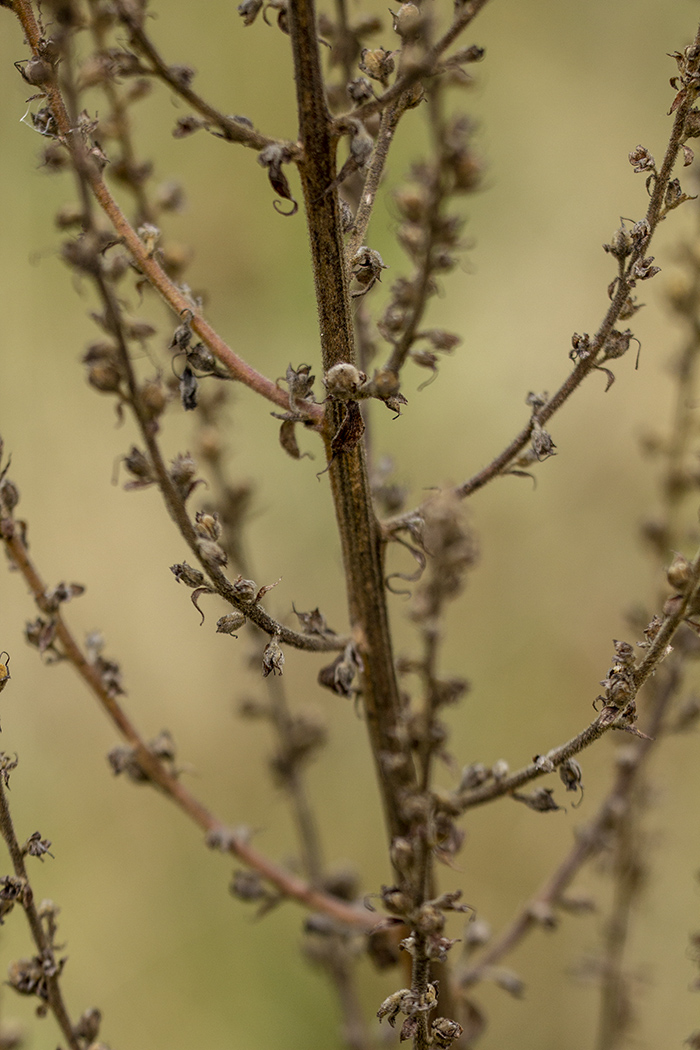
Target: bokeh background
153,938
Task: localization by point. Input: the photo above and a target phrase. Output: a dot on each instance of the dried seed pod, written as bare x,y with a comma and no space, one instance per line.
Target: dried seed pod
407,21
445,1032
9,495
154,397
4,670
229,623
367,266
377,63
245,590
272,659
541,800
184,573
641,159
620,244
343,381
35,846
360,90
571,775
207,525
88,1026
182,473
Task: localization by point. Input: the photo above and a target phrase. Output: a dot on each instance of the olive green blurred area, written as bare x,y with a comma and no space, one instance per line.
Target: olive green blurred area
152,935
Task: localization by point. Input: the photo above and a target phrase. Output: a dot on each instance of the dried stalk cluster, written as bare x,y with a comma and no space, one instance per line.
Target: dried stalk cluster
353,92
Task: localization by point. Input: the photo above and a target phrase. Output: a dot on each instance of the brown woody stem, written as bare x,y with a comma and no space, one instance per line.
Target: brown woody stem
357,525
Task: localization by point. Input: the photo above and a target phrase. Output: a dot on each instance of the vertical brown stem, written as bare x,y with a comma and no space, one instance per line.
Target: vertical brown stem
359,531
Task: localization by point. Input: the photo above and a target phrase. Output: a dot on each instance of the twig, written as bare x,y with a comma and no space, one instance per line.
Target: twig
289,885
385,136
608,719
427,66
624,285
44,947
146,261
589,841
232,130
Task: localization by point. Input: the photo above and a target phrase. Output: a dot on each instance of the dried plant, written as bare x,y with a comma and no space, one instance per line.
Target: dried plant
87,66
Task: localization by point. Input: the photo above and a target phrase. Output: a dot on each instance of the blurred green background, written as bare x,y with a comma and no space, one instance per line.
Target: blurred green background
153,938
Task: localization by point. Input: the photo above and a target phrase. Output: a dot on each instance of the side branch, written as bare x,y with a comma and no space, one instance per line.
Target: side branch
231,130
44,947
611,717
144,259
218,835
539,911
625,284
427,66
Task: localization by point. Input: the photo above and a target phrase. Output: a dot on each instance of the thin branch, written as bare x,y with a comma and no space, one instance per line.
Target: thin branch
218,834
624,285
232,130
611,717
589,841
145,260
385,136
423,278
427,66
119,114
45,948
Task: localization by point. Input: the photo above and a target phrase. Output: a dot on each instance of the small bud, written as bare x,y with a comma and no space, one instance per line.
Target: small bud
150,235
407,21
343,381
473,776
679,573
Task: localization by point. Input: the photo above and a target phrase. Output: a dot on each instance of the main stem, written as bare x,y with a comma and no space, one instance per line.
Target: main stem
357,525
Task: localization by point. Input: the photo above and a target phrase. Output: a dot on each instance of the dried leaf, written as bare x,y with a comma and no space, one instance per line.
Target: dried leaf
265,588
288,440
313,622
349,432
196,594
188,389
272,158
